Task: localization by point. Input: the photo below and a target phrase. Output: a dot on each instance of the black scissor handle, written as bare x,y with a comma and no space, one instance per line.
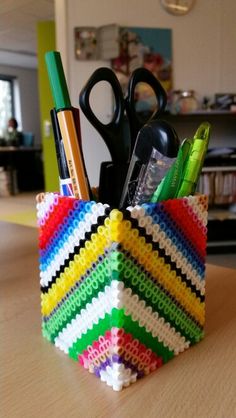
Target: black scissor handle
112,133
142,75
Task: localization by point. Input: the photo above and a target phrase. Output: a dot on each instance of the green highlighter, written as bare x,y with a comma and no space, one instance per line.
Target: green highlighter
170,184
182,178
195,160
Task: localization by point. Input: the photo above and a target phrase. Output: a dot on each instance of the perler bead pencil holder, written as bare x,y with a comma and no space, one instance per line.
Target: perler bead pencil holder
122,292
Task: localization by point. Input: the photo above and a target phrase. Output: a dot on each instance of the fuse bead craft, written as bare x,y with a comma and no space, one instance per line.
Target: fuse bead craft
122,292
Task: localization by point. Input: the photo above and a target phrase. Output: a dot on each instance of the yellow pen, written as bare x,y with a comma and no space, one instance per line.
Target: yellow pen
67,125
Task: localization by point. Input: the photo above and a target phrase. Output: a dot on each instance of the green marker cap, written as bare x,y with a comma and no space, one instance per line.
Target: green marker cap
57,80
203,132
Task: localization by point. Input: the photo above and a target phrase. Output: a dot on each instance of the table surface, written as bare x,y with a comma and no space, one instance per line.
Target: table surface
39,380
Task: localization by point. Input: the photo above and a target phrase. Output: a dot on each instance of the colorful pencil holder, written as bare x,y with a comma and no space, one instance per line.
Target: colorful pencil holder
122,292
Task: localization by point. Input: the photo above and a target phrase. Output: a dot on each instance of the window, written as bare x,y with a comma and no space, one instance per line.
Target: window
6,102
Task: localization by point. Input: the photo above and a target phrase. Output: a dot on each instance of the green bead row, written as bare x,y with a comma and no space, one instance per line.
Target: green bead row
91,286
132,276
118,319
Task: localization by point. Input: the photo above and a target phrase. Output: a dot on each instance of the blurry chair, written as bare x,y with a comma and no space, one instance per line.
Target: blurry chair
27,139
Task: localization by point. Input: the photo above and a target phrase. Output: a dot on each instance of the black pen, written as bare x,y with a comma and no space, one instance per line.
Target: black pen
64,176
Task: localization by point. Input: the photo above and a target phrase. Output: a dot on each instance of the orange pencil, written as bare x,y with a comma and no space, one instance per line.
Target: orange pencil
67,125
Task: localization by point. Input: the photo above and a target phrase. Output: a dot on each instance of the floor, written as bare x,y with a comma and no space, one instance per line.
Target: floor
21,209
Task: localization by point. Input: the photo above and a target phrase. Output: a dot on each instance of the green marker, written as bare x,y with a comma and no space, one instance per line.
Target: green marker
193,166
170,184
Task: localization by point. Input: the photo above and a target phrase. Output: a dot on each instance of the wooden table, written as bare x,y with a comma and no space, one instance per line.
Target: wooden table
39,380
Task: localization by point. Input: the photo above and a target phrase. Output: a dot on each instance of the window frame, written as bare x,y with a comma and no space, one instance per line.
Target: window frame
10,79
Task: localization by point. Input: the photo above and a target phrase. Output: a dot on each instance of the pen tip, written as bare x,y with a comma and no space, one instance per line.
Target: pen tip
57,80
203,131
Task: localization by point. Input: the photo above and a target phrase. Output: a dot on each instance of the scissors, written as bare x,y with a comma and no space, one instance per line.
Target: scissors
113,132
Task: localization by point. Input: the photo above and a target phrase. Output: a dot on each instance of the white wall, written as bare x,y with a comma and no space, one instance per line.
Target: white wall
16,59
27,111
204,56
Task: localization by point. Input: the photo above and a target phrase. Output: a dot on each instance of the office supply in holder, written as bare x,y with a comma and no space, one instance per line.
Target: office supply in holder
195,160
64,176
170,184
159,138
76,116
151,175
120,145
67,125
136,122
111,179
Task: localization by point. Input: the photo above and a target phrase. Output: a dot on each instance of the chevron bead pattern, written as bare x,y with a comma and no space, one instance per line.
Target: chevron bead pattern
122,292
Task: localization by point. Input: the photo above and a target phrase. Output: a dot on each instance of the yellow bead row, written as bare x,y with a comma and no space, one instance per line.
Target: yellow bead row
77,268
156,266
